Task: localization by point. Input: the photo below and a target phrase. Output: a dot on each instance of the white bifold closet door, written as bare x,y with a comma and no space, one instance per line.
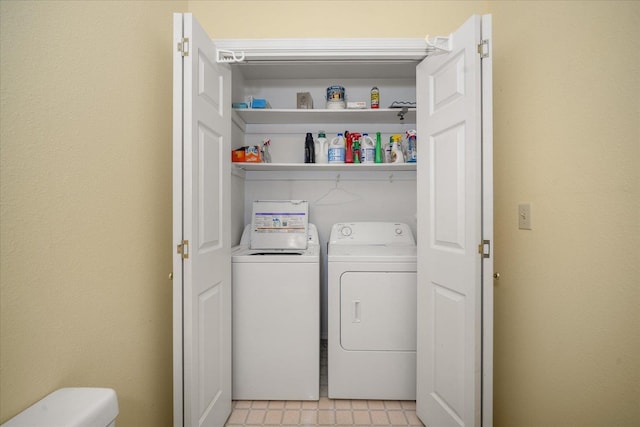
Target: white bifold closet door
202,280
454,198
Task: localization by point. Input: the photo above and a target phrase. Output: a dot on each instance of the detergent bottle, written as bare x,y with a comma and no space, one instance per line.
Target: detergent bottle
356,147
396,150
336,149
367,149
379,154
309,149
348,155
322,148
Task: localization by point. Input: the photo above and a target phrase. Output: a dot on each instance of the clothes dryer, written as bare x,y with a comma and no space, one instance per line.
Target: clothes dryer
372,311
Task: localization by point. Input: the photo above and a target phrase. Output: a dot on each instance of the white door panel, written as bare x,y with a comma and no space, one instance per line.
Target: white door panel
450,215
205,283
446,164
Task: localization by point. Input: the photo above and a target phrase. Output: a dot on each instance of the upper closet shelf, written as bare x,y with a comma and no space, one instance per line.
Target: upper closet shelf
293,116
353,49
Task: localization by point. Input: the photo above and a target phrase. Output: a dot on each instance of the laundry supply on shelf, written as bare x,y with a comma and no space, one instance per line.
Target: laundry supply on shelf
356,147
322,148
309,149
304,101
356,105
336,97
397,156
379,157
266,155
260,103
348,153
375,97
336,149
248,154
412,149
367,149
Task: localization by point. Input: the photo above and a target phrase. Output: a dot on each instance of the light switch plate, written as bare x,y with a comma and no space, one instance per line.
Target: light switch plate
524,216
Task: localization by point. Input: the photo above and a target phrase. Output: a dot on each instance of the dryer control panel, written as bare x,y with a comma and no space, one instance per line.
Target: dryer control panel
371,233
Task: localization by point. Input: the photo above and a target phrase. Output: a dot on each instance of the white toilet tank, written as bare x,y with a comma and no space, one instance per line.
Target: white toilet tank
70,407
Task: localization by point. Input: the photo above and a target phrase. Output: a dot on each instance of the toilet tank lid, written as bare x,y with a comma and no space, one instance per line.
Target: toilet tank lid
70,407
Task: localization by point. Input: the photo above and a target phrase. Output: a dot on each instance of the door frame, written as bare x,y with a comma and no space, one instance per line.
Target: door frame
291,48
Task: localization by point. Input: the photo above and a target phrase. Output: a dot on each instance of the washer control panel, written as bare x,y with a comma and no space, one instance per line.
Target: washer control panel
371,233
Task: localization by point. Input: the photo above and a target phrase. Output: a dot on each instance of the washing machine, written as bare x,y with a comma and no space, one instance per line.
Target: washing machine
276,305
372,311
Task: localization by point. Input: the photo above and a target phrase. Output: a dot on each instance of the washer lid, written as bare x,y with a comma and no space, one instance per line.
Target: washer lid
279,224
243,254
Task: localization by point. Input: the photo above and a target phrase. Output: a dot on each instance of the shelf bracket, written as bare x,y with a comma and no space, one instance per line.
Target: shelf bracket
439,44
228,56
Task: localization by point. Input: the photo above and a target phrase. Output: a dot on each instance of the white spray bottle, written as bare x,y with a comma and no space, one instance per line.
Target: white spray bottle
397,156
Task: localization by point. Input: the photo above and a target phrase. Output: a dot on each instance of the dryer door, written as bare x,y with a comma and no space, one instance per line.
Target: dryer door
378,310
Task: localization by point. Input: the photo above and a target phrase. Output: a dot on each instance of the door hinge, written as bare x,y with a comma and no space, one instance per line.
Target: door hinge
183,249
483,48
183,46
484,249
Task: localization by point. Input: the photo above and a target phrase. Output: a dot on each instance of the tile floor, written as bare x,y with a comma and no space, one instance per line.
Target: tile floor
325,412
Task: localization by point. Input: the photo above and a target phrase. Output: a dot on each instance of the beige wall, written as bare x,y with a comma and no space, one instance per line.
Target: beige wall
332,18
86,203
567,139
86,181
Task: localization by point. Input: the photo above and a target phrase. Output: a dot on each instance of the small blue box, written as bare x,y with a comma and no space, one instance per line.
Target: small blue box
259,103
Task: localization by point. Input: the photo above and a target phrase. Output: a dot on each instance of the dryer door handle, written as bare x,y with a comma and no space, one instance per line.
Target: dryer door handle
355,317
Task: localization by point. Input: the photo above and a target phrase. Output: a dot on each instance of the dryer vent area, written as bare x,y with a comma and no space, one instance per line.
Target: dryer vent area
325,412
